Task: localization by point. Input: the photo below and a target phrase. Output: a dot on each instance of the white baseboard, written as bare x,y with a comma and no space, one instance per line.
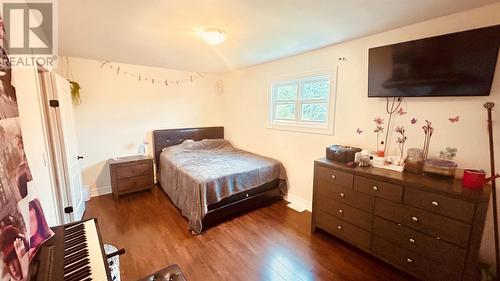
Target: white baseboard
100,191
298,203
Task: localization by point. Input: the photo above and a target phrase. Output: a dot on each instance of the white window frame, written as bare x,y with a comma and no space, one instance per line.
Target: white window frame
299,125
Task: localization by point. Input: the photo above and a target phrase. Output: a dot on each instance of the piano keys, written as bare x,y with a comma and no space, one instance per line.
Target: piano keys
74,253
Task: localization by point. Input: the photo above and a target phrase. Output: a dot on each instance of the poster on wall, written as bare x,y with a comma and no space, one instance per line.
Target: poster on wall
22,223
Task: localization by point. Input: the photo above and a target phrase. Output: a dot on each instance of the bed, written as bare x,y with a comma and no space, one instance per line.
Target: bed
211,181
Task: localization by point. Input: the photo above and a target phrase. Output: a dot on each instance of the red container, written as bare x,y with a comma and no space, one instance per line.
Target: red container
474,179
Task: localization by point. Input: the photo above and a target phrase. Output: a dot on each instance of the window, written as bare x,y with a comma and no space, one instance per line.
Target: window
303,104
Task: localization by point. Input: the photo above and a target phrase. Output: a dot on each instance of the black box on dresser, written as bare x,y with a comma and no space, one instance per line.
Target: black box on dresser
428,227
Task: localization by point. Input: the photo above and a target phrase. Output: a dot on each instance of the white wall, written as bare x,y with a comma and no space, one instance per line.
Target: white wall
117,111
246,107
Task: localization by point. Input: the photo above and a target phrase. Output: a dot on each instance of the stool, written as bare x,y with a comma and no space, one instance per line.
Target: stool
171,273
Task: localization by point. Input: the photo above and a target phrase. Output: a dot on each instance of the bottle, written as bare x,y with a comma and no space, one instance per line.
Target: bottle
145,145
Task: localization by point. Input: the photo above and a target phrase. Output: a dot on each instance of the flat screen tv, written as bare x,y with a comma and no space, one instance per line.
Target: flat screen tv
456,64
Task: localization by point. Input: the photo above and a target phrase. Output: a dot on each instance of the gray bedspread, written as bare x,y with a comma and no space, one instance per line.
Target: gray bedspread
197,174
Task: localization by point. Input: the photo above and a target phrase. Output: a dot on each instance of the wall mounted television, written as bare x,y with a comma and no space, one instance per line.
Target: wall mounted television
456,64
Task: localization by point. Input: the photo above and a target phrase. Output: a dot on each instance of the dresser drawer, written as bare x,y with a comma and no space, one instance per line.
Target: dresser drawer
345,212
437,226
134,183
453,257
420,266
346,195
377,188
128,171
335,176
344,230
451,207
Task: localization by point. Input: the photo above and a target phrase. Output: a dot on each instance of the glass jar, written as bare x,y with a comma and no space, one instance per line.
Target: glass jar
414,160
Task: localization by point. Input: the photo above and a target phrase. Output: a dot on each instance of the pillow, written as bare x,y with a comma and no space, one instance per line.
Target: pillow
185,141
208,144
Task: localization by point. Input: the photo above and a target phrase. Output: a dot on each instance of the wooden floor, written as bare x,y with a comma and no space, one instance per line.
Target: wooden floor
272,243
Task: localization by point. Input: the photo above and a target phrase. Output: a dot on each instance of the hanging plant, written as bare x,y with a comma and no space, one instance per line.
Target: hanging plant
75,92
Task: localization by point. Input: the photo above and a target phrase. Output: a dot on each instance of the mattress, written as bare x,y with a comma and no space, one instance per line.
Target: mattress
198,174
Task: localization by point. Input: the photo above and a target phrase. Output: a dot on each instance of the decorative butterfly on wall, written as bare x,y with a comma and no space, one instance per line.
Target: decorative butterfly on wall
413,120
359,131
401,111
454,119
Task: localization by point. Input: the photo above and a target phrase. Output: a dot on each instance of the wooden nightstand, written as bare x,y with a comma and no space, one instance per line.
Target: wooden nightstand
131,174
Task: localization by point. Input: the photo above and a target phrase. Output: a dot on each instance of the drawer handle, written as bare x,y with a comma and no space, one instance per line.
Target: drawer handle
412,241
375,188
414,219
341,211
333,177
342,194
408,260
435,203
339,227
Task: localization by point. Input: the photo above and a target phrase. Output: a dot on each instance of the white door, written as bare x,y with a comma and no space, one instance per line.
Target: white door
36,142
65,146
72,156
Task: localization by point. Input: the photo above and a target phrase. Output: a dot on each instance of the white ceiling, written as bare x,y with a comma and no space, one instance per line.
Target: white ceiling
162,32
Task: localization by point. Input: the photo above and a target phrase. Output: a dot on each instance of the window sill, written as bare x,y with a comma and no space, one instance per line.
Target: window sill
320,130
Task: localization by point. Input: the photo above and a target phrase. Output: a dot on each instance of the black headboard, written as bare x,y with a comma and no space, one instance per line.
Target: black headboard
169,137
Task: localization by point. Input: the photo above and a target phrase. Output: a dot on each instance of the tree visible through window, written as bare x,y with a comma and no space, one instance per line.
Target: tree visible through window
302,102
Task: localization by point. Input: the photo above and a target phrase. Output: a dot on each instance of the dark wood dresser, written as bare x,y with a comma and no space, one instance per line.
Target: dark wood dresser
131,174
428,227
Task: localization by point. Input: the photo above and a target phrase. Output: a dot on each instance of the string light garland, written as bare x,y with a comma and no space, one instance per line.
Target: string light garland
155,81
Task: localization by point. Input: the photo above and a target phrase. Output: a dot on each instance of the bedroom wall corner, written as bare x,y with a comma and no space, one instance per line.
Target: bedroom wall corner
117,111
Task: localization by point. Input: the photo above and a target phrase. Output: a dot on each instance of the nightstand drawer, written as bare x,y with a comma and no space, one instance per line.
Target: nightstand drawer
453,257
335,176
346,195
377,188
419,265
134,183
128,171
439,204
345,212
344,230
437,226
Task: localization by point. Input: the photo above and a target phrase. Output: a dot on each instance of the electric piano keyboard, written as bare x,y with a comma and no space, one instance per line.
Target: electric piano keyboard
74,253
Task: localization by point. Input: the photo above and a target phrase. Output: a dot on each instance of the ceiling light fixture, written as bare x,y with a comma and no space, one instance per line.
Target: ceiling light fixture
213,36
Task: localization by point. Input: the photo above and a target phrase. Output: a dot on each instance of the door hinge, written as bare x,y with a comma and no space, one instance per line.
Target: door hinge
68,210
54,103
